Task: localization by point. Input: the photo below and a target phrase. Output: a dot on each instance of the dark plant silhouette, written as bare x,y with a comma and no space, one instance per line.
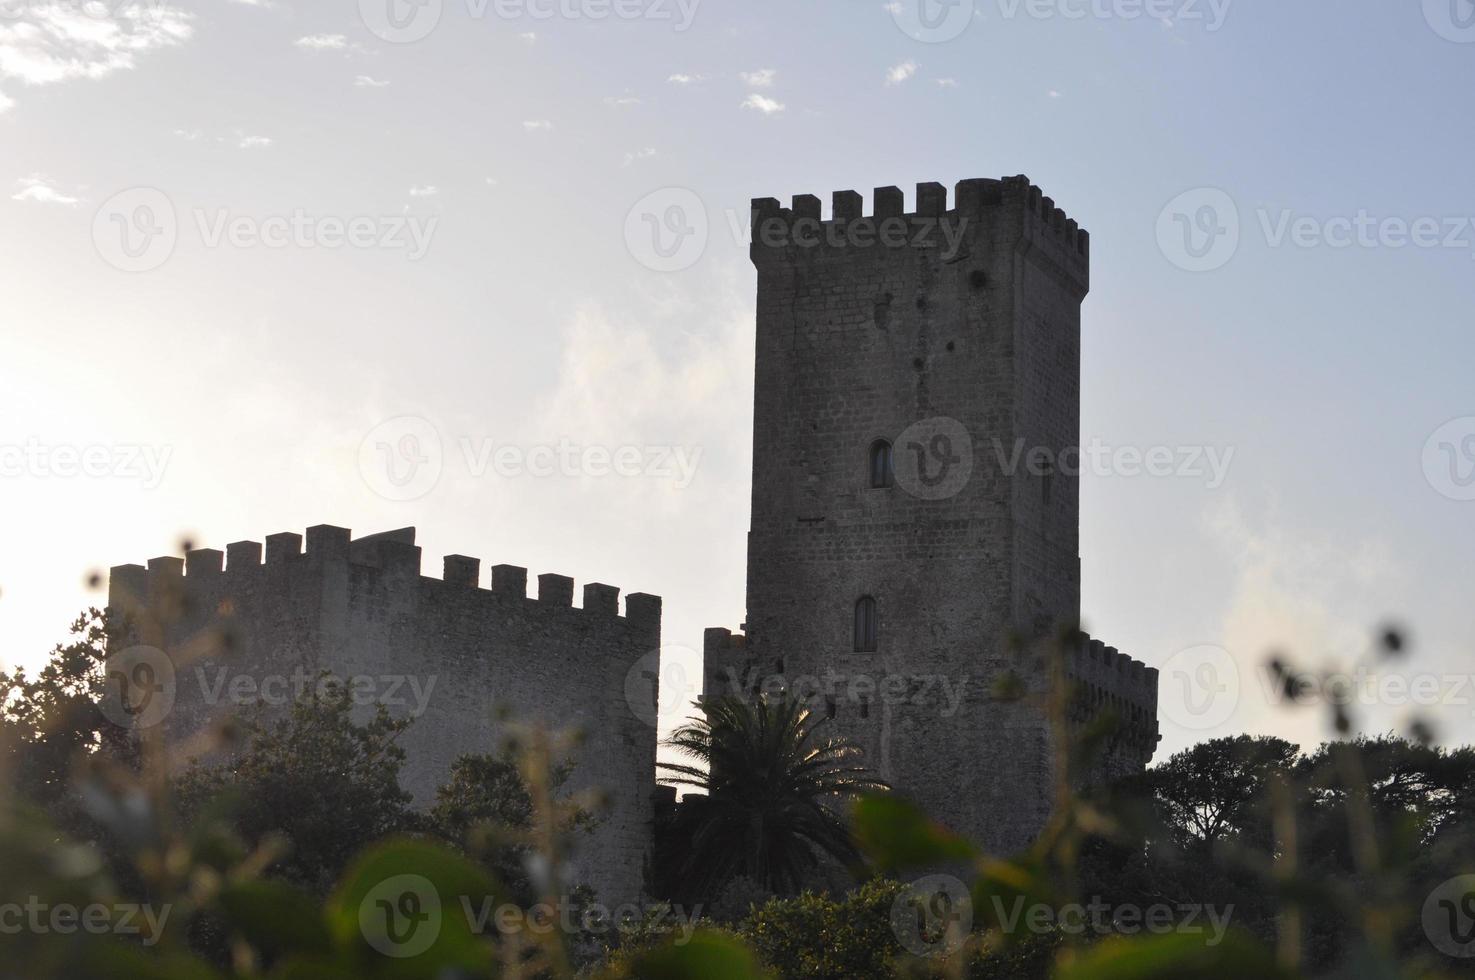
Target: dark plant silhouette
772,777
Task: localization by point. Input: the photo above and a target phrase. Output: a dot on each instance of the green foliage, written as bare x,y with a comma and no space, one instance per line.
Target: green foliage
285,862
317,780
770,778
487,807
816,936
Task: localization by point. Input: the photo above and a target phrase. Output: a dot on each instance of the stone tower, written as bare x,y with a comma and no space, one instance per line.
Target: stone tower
915,493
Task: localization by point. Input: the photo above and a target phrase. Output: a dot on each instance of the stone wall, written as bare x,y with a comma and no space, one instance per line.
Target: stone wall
447,651
952,333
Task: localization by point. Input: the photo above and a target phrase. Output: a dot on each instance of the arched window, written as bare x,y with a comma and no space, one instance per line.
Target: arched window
865,625
881,469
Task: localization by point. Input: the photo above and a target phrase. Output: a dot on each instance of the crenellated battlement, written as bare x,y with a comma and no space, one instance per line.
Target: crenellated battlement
248,629
1109,679
390,554
988,201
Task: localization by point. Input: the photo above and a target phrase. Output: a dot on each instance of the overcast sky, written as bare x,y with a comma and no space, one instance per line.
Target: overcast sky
243,243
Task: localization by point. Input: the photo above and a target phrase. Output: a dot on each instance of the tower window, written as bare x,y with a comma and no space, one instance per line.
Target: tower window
881,469
865,624
830,706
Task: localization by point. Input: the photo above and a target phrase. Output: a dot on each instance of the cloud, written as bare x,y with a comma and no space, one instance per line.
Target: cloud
680,78
38,189
366,81
530,37
763,104
946,82
643,154
622,100
1313,596
424,190
253,142
897,74
44,43
5,102
762,78
1054,94
322,42
537,125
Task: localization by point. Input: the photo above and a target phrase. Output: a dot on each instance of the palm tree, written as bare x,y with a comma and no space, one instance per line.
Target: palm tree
771,778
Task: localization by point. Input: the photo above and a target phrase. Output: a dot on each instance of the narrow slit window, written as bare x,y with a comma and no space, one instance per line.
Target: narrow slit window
882,472
865,624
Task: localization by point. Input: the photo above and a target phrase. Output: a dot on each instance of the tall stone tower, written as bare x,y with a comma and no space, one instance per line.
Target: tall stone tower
915,492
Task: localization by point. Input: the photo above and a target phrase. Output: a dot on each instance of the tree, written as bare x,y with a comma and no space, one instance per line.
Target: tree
771,778
1216,790
327,784
51,722
487,807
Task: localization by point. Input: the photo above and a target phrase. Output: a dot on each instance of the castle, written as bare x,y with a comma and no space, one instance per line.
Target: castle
913,547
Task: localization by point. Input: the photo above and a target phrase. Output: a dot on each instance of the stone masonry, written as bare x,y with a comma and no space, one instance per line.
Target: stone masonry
447,650
951,337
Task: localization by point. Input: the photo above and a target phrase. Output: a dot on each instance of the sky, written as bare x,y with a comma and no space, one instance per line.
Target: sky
247,247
